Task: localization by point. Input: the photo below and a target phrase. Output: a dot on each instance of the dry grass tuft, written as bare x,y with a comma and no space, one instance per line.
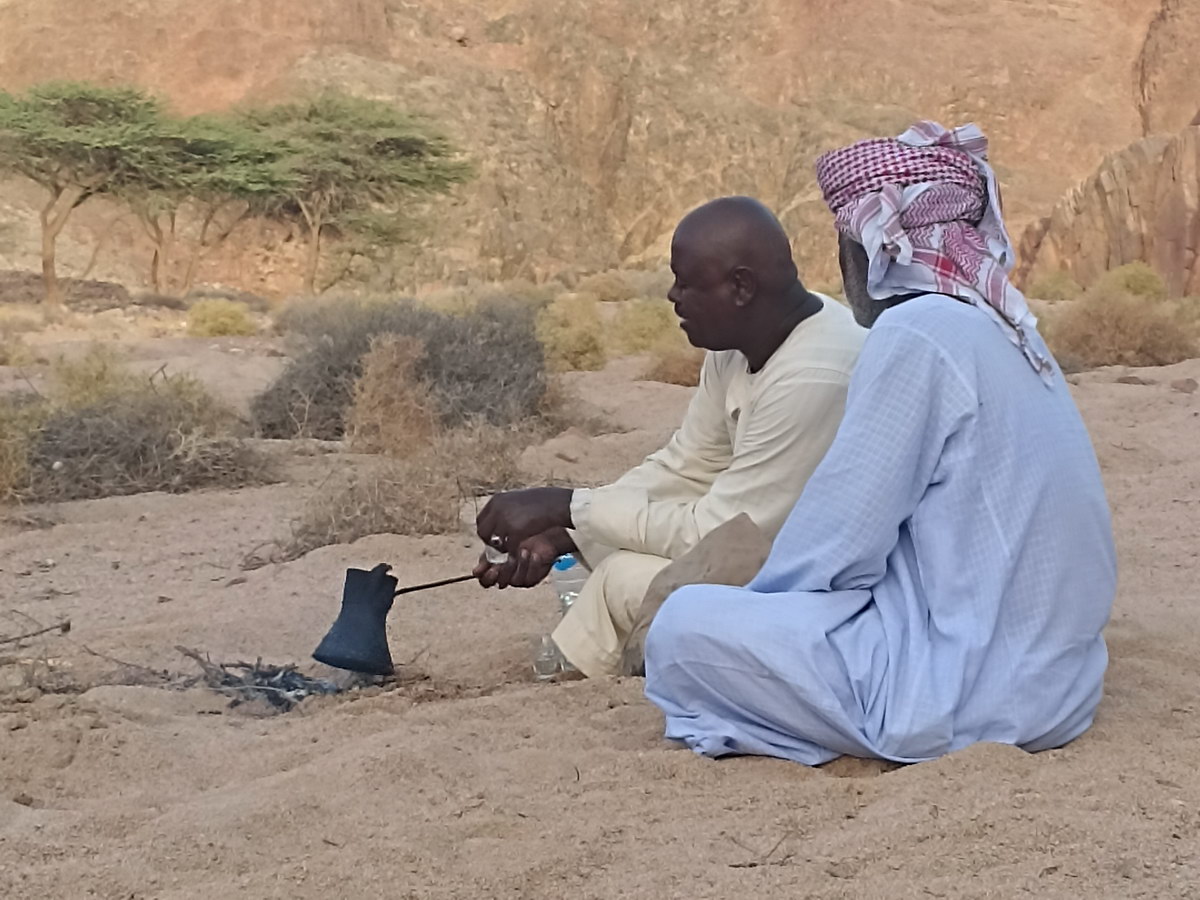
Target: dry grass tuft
416,494
104,431
467,299
13,350
218,317
1109,326
676,365
392,411
607,287
571,333
403,497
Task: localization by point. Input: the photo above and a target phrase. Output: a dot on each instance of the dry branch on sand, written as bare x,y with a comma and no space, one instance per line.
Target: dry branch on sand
281,688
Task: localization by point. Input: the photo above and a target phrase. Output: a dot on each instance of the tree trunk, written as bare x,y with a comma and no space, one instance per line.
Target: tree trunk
54,216
53,291
193,263
313,262
153,229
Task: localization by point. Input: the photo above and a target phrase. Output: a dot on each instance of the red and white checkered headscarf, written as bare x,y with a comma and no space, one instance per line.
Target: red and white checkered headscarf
926,208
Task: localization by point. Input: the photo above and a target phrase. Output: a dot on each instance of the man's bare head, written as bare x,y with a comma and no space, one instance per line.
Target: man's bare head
734,273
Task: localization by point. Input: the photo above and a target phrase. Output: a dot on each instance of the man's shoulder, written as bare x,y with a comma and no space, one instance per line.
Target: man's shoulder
935,319
829,340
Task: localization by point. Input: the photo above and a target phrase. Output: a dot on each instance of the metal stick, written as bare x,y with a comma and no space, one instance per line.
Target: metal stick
433,584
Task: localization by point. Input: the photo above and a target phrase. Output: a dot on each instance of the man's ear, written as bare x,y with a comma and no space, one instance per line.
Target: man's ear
745,285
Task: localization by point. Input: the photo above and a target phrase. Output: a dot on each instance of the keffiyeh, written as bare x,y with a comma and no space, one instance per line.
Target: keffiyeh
926,208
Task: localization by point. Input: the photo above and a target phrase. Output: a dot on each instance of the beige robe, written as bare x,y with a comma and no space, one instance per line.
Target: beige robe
748,443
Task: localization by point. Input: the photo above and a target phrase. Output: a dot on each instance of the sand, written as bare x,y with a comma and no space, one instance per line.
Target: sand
470,780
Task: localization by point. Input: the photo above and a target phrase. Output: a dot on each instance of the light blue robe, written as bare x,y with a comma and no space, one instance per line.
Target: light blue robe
944,578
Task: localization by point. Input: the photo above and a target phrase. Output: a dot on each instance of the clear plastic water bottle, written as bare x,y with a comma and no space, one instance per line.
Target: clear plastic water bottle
567,576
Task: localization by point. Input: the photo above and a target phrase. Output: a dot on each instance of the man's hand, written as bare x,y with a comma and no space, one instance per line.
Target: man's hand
531,563
511,518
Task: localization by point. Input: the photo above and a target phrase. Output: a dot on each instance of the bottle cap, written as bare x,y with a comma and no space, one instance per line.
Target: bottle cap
564,562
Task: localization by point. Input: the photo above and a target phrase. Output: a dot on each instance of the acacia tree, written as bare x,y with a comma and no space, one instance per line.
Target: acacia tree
76,141
348,157
218,169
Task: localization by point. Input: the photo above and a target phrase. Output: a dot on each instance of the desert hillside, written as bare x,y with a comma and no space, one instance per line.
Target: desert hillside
594,125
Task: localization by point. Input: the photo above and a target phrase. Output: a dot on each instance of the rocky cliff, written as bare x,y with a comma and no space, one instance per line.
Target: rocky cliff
595,125
1143,203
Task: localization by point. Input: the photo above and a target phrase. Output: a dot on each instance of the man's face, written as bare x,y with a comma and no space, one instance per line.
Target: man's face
705,297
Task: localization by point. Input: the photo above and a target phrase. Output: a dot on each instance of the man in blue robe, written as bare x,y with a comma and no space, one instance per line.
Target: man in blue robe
946,575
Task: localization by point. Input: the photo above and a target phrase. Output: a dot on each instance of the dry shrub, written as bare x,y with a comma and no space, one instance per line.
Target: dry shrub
220,318
392,412
104,431
643,326
402,497
651,284
1055,287
607,287
485,365
571,333
417,494
676,365
1108,326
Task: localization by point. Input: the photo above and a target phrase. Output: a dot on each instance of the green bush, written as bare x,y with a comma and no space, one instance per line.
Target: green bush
1137,279
218,317
1055,287
571,333
643,326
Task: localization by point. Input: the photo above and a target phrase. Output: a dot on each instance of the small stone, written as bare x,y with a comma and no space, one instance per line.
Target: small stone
1185,385
115,564
163,598
27,695
58,466
1135,379
46,564
23,799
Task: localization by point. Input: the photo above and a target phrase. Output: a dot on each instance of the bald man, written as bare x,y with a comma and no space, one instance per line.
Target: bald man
771,395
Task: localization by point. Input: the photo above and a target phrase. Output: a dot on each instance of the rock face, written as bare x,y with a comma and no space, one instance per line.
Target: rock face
1142,204
595,125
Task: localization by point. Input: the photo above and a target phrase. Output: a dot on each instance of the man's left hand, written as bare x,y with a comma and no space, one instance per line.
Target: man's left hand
515,516
528,567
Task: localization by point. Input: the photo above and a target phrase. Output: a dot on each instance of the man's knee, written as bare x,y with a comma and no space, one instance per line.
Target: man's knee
622,579
672,625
